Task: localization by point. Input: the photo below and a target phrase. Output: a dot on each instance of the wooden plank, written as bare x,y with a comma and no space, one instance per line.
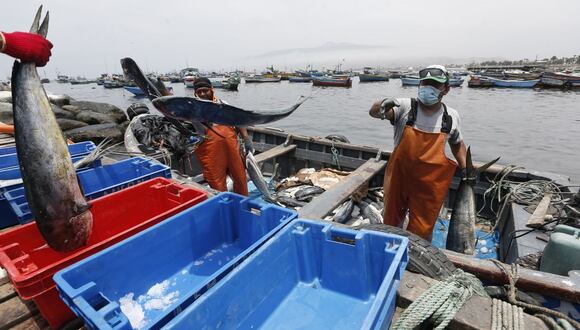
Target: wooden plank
474,315
37,322
546,284
274,152
332,198
15,311
538,217
7,292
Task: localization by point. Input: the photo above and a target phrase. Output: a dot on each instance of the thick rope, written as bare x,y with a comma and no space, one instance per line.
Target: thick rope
512,278
440,303
506,316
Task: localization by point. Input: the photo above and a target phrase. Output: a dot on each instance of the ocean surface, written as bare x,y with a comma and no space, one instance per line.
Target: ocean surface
534,128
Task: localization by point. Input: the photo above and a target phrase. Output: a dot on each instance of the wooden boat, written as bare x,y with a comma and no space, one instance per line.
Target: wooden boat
110,84
479,82
372,77
134,90
262,79
514,83
560,80
299,79
331,82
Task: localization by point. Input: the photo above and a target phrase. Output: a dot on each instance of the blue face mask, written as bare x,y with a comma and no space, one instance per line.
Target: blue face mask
428,95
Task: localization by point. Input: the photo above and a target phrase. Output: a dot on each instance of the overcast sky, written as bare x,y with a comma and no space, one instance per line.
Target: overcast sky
90,37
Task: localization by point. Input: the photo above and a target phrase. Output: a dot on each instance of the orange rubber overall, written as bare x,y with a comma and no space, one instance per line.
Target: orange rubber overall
417,179
221,156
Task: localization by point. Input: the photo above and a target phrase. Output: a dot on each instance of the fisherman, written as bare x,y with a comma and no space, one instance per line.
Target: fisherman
220,156
419,173
27,47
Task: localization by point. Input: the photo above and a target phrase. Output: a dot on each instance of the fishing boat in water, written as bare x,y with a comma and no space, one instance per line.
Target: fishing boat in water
371,75
262,79
331,81
560,80
479,82
111,84
79,81
188,81
62,79
230,84
514,83
298,79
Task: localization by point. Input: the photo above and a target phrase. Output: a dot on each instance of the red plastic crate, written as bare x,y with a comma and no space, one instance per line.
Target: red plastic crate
30,263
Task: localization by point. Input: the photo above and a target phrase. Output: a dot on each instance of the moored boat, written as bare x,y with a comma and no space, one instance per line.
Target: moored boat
331,82
262,79
110,84
79,81
560,80
188,81
299,79
479,82
514,83
134,90
372,77
62,79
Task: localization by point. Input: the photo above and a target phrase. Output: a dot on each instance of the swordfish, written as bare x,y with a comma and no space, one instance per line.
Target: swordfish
461,234
54,196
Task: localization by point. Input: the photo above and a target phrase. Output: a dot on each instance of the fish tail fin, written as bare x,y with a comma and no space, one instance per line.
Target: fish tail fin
36,21
469,163
43,29
486,166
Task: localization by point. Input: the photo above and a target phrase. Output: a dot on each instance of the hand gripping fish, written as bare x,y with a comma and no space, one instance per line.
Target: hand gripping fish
56,201
461,235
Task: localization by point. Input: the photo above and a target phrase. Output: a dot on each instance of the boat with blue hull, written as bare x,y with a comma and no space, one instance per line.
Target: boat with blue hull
514,83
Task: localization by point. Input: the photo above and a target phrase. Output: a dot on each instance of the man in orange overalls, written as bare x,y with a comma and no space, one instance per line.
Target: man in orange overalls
419,173
220,156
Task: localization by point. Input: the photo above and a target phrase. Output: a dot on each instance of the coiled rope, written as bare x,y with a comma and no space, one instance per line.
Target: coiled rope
440,303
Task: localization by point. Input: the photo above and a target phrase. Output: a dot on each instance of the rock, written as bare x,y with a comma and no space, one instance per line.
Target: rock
95,133
5,97
103,108
93,118
68,124
60,113
72,108
60,100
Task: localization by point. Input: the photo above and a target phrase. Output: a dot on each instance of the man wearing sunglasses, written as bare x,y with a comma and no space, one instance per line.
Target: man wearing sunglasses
219,155
418,173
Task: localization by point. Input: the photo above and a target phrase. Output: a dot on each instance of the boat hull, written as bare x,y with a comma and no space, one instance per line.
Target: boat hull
514,83
329,82
372,77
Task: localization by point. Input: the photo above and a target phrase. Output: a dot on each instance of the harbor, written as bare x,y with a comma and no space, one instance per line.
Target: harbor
315,187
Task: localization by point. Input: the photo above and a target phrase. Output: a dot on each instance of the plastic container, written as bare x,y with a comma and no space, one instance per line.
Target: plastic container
31,264
9,157
185,255
311,275
96,182
562,254
8,217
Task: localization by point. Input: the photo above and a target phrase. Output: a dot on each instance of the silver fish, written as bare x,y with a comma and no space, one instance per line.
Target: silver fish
308,193
461,235
343,212
257,177
289,201
370,212
55,199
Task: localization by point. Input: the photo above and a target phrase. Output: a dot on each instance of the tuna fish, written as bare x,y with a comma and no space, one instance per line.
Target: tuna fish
256,177
56,201
461,235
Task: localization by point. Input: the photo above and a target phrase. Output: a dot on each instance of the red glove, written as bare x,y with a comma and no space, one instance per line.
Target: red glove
28,47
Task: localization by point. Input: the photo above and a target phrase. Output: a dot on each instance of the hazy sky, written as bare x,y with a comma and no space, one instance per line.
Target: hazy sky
90,37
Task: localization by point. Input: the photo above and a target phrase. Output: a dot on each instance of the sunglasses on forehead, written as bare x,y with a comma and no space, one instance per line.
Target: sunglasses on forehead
433,72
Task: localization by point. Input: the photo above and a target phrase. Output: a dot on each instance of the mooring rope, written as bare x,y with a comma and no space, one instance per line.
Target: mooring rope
440,303
506,316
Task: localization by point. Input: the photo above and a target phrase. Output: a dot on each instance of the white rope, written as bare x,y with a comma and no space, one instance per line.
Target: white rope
506,316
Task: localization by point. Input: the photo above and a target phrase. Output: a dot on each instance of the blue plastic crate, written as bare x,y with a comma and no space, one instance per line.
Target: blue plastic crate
311,275
95,182
8,216
189,252
9,158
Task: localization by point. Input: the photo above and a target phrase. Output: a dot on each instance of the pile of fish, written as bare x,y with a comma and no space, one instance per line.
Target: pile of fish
364,207
79,120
